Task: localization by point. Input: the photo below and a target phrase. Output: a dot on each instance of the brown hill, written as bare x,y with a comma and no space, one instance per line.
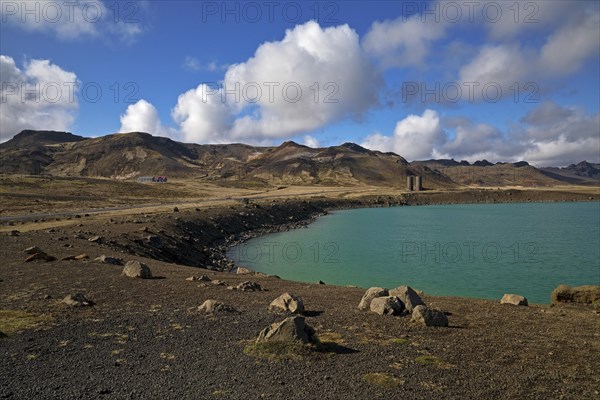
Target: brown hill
129,155
30,152
121,155
347,164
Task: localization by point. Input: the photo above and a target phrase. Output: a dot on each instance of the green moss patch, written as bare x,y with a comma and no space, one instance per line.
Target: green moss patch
383,379
433,360
400,341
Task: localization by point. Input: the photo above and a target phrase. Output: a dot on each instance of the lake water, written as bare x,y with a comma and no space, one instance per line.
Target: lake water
482,250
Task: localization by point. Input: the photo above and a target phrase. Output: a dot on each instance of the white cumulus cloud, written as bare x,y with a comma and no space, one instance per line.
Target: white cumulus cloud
311,141
573,39
312,77
143,117
568,48
72,20
416,137
503,65
40,96
403,41
554,135
202,115
548,135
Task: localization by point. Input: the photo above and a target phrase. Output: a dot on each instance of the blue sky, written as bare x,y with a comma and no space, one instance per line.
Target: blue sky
537,60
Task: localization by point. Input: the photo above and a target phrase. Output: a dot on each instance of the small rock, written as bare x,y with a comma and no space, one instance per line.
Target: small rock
214,306
175,209
33,250
68,258
109,260
514,299
389,305
198,278
429,317
249,287
155,241
77,300
288,302
321,283
290,329
40,257
82,257
96,239
370,294
408,296
217,282
242,271
136,269
14,232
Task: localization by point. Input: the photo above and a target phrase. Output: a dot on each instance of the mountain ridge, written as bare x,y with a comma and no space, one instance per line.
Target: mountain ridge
133,154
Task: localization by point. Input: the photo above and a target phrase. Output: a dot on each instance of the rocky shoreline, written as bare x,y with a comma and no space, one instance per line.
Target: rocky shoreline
228,227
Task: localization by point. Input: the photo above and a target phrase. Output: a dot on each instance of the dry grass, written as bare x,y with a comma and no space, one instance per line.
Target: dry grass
13,321
331,337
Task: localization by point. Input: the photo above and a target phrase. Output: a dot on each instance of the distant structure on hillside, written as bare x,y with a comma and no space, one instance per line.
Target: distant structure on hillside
152,179
414,183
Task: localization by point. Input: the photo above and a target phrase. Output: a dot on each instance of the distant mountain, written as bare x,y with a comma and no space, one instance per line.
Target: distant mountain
484,173
583,173
129,155
29,138
31,152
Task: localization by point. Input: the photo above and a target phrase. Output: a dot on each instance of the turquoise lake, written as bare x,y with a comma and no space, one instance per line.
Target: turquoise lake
482,250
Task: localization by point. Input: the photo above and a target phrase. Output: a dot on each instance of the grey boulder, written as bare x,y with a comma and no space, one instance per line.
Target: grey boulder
428,317
290,329
214,306
408,296
514,299
136,269
288,302
370,294
389,305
